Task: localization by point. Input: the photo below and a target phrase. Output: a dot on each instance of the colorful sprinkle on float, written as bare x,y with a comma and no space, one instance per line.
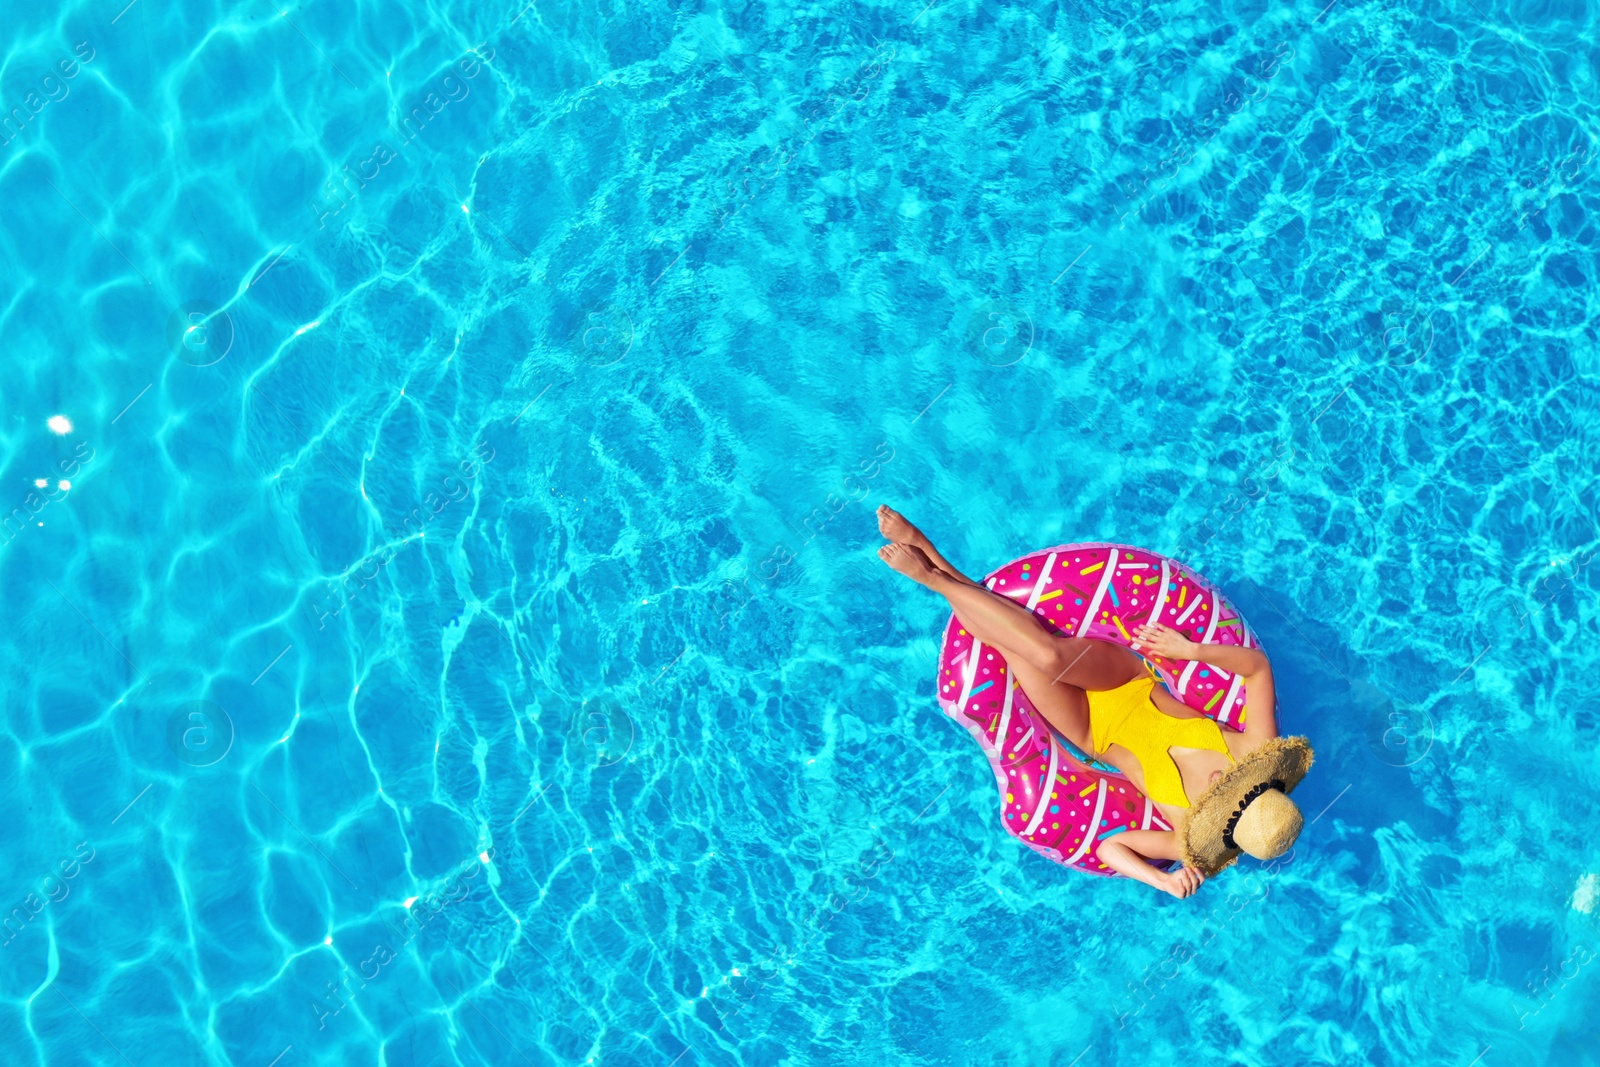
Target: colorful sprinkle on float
1054,798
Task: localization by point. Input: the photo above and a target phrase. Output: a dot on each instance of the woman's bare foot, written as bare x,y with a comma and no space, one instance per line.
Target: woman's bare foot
896,527
910,561
1182,882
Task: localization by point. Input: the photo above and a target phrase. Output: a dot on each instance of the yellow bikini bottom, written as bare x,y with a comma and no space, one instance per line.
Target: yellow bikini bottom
1125,716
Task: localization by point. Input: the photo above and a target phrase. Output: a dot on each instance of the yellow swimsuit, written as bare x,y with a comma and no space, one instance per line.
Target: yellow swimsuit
1125,716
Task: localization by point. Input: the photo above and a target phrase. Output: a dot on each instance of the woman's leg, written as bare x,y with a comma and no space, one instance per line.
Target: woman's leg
1000,621
895,527
1065,706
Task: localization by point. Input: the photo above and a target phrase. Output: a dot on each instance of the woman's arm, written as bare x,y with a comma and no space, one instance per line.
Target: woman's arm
1125,853
1261,697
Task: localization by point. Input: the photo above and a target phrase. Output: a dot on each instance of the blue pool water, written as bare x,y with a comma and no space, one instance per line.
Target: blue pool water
459,640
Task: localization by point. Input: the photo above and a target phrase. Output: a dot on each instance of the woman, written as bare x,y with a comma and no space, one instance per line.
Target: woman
1223,791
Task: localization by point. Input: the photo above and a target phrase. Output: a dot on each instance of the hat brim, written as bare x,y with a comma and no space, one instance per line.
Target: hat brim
1200,840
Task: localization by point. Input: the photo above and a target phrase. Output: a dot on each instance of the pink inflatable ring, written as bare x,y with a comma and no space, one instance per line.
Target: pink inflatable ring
1056,799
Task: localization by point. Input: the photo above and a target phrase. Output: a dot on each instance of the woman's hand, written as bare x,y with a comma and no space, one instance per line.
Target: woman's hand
1182,882
1158,639
1127,853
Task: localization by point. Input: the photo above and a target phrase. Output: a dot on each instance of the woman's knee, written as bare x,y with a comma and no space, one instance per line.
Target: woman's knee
1062,655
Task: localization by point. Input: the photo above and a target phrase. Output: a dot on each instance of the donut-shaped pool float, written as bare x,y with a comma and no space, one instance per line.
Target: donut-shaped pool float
1054,798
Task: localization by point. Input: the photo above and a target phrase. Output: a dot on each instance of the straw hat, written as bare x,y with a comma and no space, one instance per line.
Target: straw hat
1249,809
